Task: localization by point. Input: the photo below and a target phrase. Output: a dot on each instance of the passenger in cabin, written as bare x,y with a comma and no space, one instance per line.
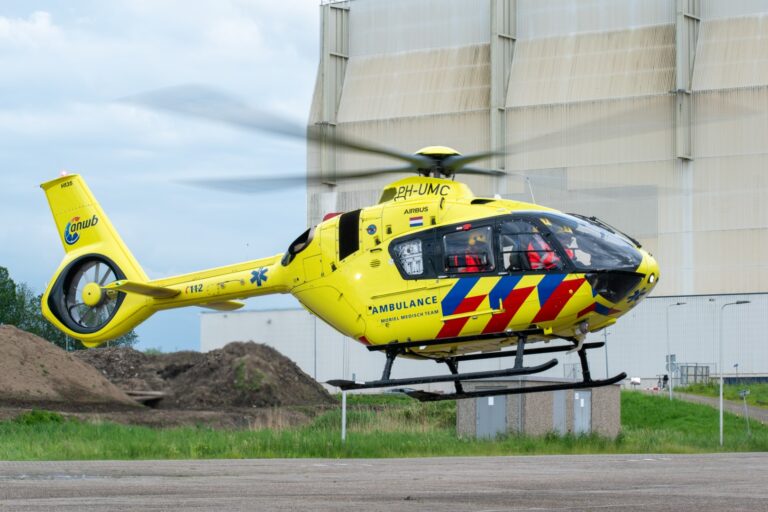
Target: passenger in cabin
469,250
473,260
472,253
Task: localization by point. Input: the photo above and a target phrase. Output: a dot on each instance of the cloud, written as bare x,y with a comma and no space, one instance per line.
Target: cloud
61,72
35,31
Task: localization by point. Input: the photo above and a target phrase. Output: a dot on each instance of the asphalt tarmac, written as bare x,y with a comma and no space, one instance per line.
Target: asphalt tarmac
715,482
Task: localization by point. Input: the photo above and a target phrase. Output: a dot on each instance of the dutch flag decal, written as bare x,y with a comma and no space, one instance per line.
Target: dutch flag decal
416,221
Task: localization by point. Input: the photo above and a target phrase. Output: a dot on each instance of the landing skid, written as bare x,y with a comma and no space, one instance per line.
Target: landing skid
347,385
395,350
426,396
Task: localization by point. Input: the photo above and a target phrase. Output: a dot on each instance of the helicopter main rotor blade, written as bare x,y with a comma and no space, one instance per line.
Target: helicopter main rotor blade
479,171
214,105
260,184
210,104
458,162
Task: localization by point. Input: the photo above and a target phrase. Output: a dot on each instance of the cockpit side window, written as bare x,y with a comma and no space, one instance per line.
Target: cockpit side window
469,251
523,247
590,246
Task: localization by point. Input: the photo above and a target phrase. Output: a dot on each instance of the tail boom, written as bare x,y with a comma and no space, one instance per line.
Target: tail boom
100,292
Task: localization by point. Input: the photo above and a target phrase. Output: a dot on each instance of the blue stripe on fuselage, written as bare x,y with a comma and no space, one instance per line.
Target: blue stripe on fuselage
502,289
547,286
457,294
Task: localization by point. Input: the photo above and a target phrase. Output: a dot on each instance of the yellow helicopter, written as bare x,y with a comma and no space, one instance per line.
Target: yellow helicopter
430,272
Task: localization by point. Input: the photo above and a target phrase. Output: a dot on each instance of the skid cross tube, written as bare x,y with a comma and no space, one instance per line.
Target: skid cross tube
584,365
385,383
520,352
453,366
392,353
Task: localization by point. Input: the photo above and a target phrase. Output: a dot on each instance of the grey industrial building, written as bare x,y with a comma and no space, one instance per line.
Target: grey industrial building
649,114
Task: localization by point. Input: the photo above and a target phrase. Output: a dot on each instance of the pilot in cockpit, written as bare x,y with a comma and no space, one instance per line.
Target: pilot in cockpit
567,239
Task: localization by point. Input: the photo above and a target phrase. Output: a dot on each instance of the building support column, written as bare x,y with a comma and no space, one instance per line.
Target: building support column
686,35
334,54
503,37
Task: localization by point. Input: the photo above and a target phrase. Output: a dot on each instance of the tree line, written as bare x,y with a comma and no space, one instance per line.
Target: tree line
20,306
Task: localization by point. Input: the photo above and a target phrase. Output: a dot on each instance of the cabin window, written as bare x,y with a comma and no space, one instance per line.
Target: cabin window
298,245
410,256
349,233
469,251
524,247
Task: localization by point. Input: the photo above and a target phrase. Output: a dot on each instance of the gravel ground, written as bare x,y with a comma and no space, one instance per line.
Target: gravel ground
700,483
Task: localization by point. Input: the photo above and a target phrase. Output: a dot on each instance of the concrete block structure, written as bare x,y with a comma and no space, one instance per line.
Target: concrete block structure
581,411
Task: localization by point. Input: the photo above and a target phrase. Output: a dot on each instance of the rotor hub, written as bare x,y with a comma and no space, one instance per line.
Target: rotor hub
437,154
92,294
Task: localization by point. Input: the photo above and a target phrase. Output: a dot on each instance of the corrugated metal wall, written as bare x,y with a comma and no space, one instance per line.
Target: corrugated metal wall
418,75
550,18
730,183
590,112
606,97
421,83
400,26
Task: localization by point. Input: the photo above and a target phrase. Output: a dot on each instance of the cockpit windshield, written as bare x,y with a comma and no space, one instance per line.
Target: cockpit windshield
590,246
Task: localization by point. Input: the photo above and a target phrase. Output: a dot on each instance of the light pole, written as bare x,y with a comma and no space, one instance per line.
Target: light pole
720,362
669,351
314,336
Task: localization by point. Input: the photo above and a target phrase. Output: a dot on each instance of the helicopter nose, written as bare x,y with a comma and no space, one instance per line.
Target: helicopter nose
616,285
650,268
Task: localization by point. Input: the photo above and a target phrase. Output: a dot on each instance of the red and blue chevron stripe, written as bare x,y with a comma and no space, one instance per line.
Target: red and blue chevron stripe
553,290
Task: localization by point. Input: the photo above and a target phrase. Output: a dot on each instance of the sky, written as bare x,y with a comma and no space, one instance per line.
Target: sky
64,67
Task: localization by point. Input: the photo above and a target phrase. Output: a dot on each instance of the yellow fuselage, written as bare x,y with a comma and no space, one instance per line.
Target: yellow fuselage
344,271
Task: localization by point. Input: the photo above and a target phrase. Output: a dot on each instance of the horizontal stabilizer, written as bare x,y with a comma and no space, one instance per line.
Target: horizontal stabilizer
224,305
158,292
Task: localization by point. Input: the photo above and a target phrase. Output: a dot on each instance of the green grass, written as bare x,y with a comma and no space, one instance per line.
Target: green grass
758,393
654,423
383,426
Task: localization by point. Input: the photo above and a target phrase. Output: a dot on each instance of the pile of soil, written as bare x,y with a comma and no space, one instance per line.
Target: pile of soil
136,371
35,372
238,375
243,385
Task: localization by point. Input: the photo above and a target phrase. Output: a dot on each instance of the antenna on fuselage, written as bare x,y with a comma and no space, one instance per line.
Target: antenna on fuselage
530,188
528,182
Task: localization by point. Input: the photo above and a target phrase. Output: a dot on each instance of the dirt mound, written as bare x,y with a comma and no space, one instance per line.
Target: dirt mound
238,375
136,371
34,371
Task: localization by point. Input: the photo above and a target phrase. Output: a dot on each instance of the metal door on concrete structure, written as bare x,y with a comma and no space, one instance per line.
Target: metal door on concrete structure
491,416
582,412
559,415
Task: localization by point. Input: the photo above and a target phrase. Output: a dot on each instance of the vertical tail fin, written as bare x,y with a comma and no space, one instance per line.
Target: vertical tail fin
84,227
76,301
